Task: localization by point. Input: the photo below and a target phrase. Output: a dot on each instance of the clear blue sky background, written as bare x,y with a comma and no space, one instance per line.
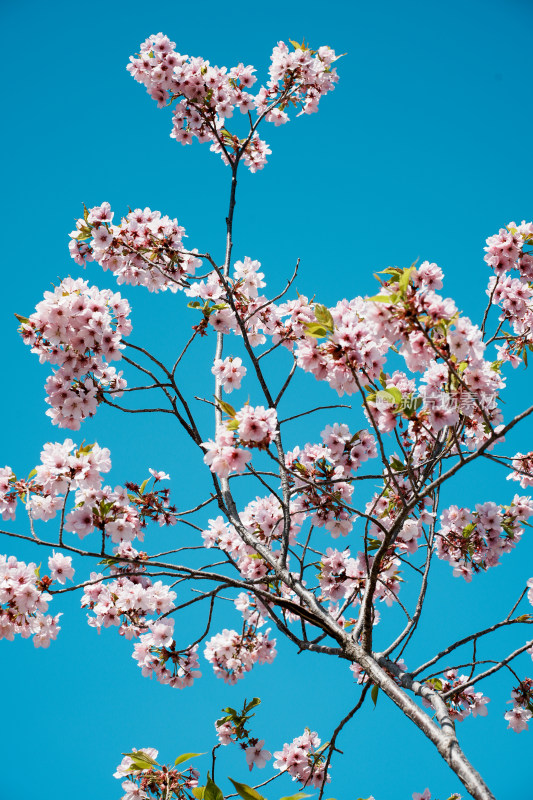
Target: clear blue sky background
422,151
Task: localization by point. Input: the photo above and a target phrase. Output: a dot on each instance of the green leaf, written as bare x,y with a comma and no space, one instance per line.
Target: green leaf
246,792
397,465
211,791
22,320
194,304
297,796
379,298
395,393
185,757
233,425
226,408
143,486
389,396
198,792
323,316
374,694
32,474
403,283
316,330
141,760
255,701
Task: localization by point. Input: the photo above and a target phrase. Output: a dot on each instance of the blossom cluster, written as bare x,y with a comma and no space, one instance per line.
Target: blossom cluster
252,426
386,507
263,519
79,330
342,576
464,702
146,778
63,467
303,760
125,601
505,252
156,653
474,540
522,469
522,711
232,654
24,600
120,513
146,249
318,474
205,96
230,372
222,300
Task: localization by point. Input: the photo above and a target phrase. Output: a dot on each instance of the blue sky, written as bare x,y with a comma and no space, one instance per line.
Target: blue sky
421,151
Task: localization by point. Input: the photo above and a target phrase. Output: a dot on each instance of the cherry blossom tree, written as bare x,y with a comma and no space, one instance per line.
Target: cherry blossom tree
330,528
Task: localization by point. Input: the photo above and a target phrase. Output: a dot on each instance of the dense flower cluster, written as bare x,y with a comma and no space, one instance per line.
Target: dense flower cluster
302,759
464,702
252,426
233,654
63,467
353,347
522,711
79,330
206,96
23,599
120,513
263,519
230,372
126,602
474,541
342,576
222,300
156,653
146,778
522,469
506,252
146,249
318,473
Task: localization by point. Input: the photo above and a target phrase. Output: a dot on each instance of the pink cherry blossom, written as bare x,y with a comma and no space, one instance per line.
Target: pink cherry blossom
256,756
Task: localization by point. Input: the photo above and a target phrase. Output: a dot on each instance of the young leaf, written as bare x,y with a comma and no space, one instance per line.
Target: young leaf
379,298
246,792
395,393
198,792
323,316
185,757
316,330
226,408
404,279
297,796
211,791
384,396
143,486
141,760
374,694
